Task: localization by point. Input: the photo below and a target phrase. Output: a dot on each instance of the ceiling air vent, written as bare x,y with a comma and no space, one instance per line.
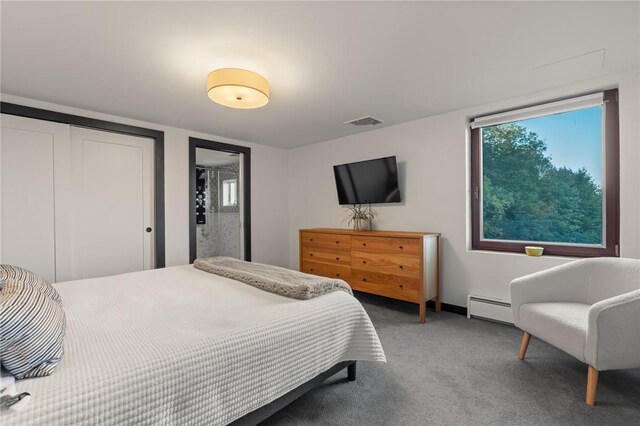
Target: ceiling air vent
364,121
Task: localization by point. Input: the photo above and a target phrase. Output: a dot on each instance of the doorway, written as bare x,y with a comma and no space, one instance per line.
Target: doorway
219,181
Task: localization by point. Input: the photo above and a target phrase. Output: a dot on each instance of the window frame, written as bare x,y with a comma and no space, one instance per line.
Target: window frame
232,192
611,189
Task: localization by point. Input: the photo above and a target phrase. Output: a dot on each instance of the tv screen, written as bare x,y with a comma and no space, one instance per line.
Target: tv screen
371,181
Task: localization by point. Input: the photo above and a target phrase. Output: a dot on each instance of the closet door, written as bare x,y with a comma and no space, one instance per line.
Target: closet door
112,203
34,191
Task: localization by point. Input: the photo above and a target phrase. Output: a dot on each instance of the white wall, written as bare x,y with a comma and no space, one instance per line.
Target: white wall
269,198
433,158
434,173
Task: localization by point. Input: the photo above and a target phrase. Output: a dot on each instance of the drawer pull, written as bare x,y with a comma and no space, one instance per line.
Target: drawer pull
401,288
337,275
401,267
337,242
364,262
310,239
311,269
364,244
401,248
310,254
364,279
337,258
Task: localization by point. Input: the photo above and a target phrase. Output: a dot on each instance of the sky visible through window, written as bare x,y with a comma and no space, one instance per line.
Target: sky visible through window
574,139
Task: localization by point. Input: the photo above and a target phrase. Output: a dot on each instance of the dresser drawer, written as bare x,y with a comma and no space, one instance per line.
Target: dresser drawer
395,264
327,241
399,265
316,254
408,246
395,286
326,270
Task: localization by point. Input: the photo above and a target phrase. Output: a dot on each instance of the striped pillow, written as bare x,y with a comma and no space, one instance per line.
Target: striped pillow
33,327
24,275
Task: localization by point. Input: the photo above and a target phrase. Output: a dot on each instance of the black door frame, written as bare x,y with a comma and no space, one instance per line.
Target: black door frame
246,190
110,126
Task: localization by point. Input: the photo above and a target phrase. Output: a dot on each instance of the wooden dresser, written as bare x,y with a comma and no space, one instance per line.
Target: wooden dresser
399,265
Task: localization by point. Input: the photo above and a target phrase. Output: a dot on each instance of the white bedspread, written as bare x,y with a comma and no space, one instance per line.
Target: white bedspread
181,346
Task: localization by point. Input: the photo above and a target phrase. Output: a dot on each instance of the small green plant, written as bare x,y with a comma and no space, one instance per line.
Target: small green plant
359,217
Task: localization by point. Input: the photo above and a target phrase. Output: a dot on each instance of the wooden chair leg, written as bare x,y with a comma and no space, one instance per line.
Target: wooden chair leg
592,385
526,337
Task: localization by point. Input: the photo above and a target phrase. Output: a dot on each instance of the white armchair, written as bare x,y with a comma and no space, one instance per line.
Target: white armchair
588,308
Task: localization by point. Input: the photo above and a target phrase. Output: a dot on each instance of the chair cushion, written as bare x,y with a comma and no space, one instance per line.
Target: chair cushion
609,277
562,324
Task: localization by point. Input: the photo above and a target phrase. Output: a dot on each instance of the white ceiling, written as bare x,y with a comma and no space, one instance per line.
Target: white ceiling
210,157
327,62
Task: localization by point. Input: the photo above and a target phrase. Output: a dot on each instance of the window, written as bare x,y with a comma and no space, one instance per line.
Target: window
230,192
548,175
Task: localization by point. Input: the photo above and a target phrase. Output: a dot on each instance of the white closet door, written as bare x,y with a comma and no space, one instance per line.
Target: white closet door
112,203
34,183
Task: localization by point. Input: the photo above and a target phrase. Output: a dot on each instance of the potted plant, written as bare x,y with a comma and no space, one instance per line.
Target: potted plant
360,217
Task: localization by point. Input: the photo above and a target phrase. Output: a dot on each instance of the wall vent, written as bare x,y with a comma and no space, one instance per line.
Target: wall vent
489,308
364,121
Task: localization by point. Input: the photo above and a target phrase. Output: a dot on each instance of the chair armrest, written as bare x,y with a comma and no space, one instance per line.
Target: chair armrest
613,336
564,283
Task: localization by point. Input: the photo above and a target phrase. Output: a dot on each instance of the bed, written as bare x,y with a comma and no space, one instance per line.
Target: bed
182,346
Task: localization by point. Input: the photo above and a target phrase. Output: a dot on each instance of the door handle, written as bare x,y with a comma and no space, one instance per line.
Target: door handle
149,229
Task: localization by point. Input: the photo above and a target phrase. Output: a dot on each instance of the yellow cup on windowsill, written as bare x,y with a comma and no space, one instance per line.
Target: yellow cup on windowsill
533,250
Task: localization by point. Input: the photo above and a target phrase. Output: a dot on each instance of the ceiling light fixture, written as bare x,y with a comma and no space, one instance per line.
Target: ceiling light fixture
238,88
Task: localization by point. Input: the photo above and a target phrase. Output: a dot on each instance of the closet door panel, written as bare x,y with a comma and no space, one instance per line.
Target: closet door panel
112,201
34,167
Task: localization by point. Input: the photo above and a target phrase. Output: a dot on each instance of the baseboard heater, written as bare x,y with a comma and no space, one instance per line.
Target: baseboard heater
489,308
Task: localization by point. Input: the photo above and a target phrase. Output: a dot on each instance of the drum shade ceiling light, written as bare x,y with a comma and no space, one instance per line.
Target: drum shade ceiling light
238,88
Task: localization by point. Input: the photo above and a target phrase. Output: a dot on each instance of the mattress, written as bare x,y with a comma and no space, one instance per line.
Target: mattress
181,346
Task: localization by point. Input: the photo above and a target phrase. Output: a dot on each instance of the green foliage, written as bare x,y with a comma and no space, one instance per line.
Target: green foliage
359,216
527,198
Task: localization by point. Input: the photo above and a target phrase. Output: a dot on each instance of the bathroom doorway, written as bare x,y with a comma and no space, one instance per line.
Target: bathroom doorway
219,200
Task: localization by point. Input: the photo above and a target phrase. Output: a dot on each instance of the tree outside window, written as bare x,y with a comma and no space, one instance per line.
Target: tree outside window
550,179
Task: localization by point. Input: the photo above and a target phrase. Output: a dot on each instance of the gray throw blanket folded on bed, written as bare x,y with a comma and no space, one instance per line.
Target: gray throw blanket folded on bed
273,279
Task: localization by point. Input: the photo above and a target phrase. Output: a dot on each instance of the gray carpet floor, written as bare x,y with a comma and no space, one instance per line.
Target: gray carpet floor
456,371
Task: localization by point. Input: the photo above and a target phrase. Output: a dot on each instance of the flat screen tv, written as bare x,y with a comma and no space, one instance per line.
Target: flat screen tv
368,182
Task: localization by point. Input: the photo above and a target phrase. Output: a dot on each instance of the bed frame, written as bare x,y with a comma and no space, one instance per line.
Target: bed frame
266,411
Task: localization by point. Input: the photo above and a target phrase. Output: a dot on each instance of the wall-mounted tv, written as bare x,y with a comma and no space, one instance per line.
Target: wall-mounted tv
368,182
